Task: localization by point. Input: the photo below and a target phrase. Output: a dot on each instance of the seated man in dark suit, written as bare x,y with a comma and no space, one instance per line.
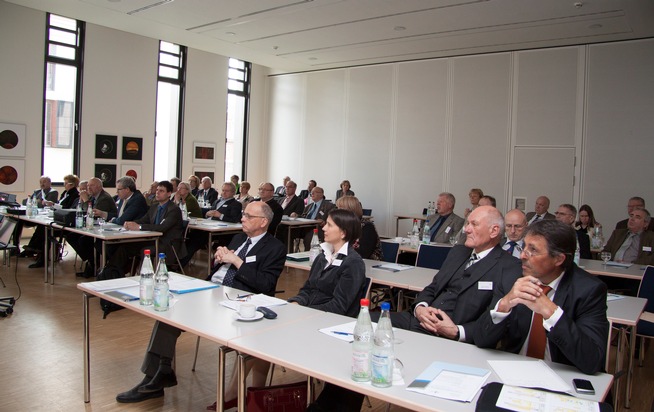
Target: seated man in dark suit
266,191
45,193
252,262
445,223
226,209
567,304
207,195
634,202
290,204
463,288
540,210
318,209
101,204
131,203
164,217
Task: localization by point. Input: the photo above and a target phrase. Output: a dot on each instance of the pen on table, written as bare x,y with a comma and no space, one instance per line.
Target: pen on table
341,333
244,296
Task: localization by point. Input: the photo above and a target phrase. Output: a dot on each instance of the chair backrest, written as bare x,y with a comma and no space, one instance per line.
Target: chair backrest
367,212
389,251
6,230
432,256
646,289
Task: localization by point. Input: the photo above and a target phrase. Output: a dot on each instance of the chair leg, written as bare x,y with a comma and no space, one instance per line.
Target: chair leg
366,400
272,372
195,358
641,352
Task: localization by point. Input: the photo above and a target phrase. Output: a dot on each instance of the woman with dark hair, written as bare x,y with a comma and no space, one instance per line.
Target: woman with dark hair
368,245
336,283
344,190
585,228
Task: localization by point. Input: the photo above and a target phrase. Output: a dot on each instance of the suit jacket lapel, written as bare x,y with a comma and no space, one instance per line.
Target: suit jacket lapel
260,244
460,259
479,269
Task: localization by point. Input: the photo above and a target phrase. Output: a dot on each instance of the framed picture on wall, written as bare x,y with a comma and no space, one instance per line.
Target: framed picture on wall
12,140
204,152
133,170
106,173
519,203
204,171
132,148
105,146
12,175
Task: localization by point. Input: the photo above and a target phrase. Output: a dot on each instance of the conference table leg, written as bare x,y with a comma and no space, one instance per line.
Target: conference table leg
242,377
87,349
220,401
630,368
45,264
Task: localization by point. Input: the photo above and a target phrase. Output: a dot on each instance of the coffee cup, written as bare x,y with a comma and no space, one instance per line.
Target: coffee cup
246,310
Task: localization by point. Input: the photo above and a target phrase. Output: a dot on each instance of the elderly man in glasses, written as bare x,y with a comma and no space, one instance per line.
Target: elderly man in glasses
252,262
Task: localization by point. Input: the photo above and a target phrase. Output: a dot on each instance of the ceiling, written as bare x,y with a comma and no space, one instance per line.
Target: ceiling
303,35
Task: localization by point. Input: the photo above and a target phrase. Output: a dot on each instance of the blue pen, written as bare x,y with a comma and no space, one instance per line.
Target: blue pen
341,333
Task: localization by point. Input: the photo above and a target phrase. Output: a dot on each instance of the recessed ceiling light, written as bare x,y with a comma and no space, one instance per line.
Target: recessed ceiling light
399,28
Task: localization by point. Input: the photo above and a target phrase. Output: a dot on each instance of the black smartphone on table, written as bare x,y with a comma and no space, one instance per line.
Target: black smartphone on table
583,386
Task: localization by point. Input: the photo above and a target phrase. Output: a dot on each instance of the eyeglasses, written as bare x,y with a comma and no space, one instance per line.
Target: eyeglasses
249,216
562,214
239,298
530,252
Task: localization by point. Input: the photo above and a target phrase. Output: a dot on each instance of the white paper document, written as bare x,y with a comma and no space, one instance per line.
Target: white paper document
120,283
344,331
529,374
531,400
450,381
256,300
613,296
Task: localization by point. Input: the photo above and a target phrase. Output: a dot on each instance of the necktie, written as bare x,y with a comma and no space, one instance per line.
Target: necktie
231,273
511,247
537,337
122,208
435,227
473,259
311,211
157,219
621,254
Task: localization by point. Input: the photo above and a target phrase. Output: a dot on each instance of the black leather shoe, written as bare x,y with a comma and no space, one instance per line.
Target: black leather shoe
160,381
38,264
133,395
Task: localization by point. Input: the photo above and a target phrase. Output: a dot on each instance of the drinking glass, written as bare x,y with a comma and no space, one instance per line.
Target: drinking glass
453,240
101,224
606,256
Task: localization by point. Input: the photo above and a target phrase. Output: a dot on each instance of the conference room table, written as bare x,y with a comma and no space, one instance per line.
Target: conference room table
293,340
597,267
110,235
213,228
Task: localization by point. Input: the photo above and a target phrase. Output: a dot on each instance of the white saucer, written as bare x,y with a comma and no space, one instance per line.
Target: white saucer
257,315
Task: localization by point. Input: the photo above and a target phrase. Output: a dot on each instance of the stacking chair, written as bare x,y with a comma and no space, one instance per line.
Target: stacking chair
6,231
390,251
645,327
432,256
178,245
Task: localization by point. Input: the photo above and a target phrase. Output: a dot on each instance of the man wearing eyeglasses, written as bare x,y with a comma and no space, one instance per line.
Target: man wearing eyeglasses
515,223
555,311
252,262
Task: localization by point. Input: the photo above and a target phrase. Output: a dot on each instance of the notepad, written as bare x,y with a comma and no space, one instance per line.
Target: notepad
450,381
393,267
122,295
299,257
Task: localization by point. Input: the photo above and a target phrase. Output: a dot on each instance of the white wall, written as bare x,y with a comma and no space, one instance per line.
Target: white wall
573,123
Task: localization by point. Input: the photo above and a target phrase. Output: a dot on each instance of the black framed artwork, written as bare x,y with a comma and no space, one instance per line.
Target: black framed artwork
106,173
132,148
202,172
105,146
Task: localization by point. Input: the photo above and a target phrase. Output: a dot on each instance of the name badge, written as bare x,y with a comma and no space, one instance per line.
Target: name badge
337,262
447,229
250,259
321,213
647,248
485,285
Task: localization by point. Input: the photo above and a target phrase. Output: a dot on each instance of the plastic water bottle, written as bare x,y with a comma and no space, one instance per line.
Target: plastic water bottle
146,283
426,236
362,345
89,216
383,353
161,285
416,229
315,246
79,216
182,206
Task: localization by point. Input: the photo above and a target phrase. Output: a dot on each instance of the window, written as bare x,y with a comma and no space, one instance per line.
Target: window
170,106
238,98
62,96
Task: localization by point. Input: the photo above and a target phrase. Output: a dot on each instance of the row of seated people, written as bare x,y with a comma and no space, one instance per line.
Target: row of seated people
482,295
281,191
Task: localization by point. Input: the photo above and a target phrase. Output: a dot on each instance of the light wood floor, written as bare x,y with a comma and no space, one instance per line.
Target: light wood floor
41,356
